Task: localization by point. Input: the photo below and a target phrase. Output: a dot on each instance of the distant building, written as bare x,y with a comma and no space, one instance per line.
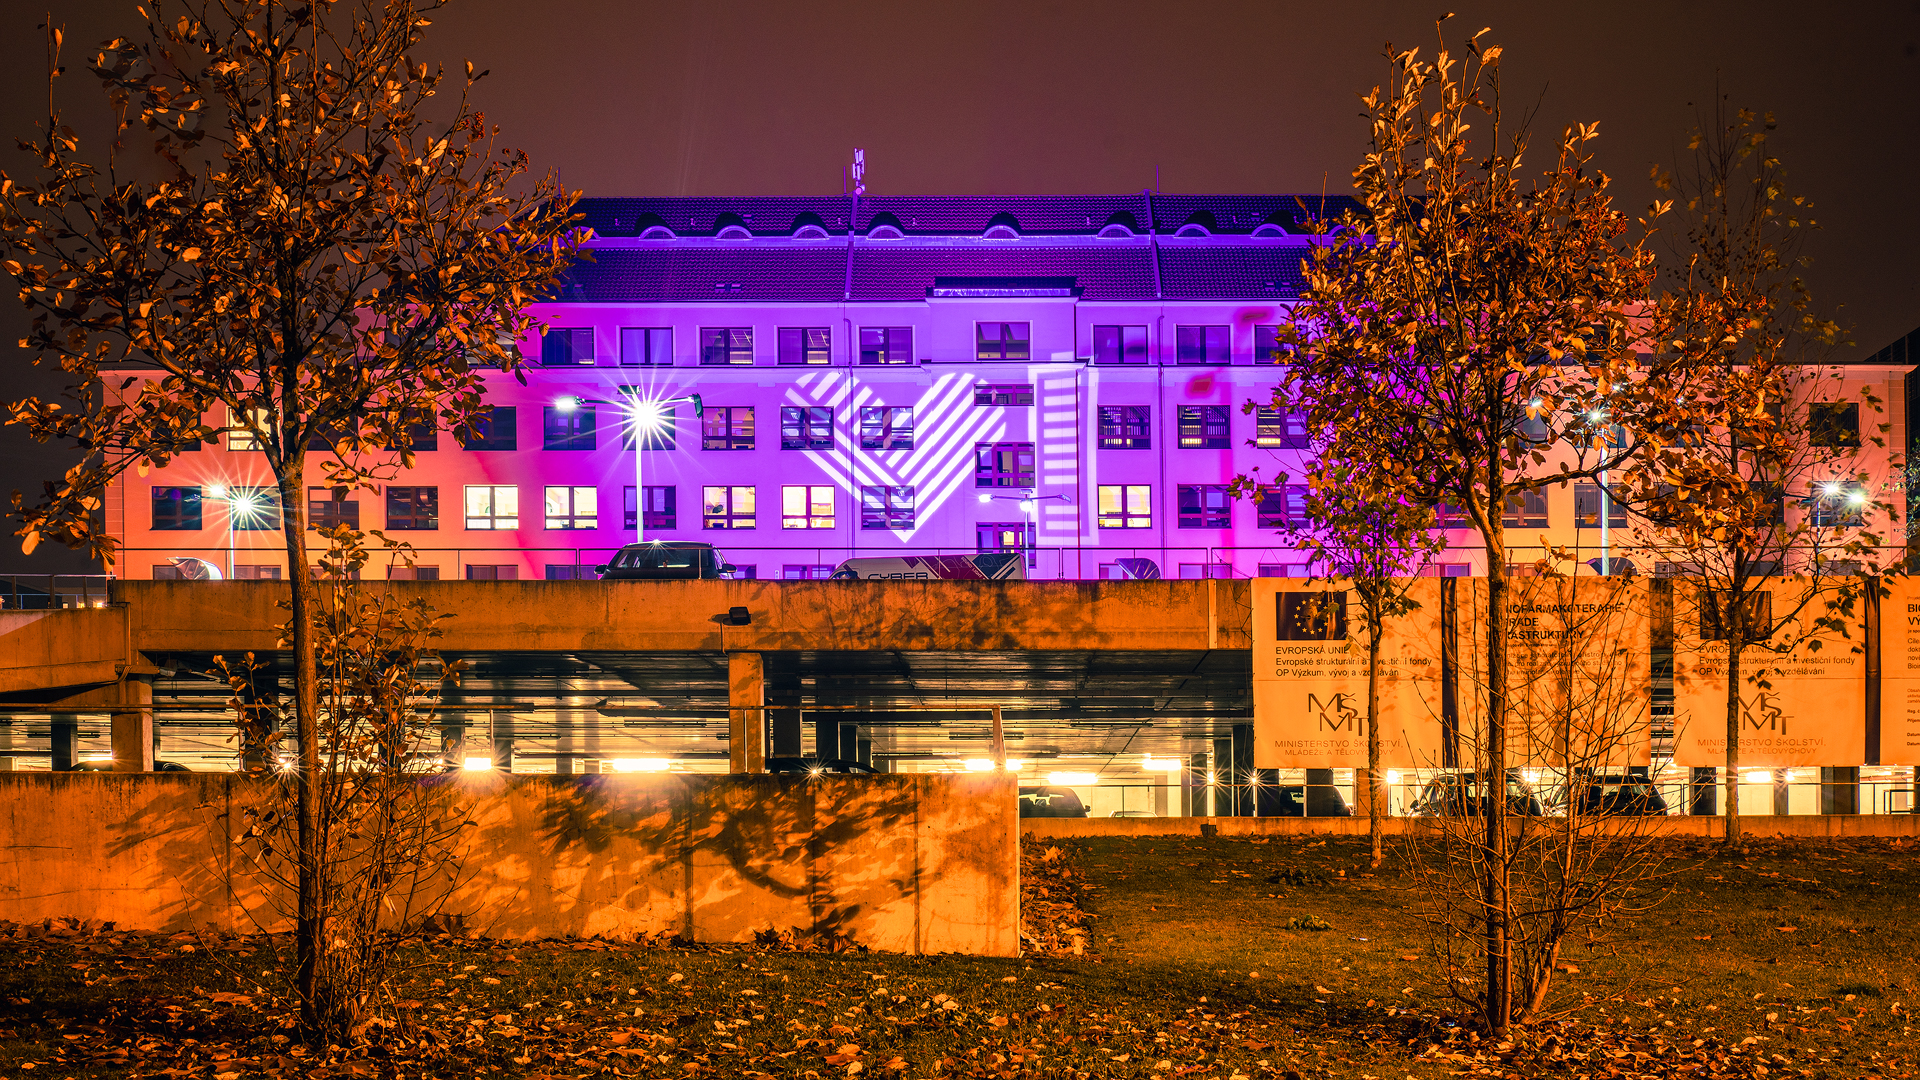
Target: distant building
1063,376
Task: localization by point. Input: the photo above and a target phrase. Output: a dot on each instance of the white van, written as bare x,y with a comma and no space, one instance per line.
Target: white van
1009,567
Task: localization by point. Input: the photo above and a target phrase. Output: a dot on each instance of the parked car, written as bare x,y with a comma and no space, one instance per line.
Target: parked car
1458,794
655,560
991,567
1051,802
1610,794
1290,800
789,766
107,766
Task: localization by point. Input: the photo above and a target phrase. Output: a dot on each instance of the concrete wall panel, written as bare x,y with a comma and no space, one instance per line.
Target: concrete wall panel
902,863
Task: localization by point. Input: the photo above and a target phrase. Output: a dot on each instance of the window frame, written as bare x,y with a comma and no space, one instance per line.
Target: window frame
1203,515
658,520
987,472
341,510
492,441
881,509
496,520
266,517
560,346
879,431
728,437
806,427
1010,395
1281,506
180,497
1586,504
569,429
1188,354
1125,427
1027,539
1277,428
407,497
889,341
1532,512
1124,514
1833,425
655,346
729,516
726,346
1204,427
1003,347
1267,347
808,506
797,342
1118,356
573,519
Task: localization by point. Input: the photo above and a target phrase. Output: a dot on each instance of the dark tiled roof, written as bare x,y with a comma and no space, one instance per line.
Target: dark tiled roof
1241,214
762,216
1240,271
708,272
969,215
1120,271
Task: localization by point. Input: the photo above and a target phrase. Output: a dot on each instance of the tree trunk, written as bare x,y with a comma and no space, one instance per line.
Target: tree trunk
1735,635
1494,791
310,918
1376,791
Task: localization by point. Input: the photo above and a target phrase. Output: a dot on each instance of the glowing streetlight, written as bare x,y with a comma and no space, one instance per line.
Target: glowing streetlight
645,417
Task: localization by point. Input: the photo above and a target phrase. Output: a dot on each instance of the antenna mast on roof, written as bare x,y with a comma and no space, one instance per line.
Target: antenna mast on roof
859,171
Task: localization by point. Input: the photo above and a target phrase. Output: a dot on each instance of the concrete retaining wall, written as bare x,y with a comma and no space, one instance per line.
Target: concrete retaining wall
902,863
1812,826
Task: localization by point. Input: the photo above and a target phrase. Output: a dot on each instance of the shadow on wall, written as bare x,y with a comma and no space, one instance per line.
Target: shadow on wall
903,863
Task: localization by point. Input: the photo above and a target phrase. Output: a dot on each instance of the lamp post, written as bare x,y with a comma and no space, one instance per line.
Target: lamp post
1027,503
644,417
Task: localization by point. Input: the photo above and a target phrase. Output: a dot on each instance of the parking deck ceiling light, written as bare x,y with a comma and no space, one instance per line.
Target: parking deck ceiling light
1153,764
641,764
1073,779
476,764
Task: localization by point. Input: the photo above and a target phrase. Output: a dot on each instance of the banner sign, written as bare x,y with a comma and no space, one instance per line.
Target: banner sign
1801,693
1900,673
1310,677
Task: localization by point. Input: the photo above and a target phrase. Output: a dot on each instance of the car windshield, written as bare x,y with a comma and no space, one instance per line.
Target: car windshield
658,557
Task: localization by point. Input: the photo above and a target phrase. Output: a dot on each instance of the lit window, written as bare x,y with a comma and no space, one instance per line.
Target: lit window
567,429
646,346
728,428
493,506
724,346
243,436
1004,537
726,508
886,427
176,509
1838,504
1002,341
1003,465
1280,429
806,427
886,345
1119,344
1125,506
1201,345
809,345
1205,506
806,507
885,506
1126,427
572,508
1203,427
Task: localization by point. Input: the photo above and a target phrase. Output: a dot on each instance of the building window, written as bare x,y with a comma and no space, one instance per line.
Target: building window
727,428
886,427
1203,427
723,346
494,572
567,347
329,437
494,431
1838,504
1119,344
806,427
1006,464
806,506
1205,506
1285,569
726,508
403,573
1125,506
568,572
661,507
1280,429
1282,506
1003,394
240,437
1004,537
1126,427
254,509
1525,510
413,508
886,506
1266,346
1201,345
646,346
806,571
1586,508
176,509
420,435
493,506
1202,571
886,345
655,434
329,508
1002,341
257,572
1834,424
805,345
567,429
573,508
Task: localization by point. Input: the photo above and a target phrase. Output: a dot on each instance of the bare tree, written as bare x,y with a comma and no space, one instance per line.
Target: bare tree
336,254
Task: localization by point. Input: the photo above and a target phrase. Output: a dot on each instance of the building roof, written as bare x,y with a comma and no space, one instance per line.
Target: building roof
754,248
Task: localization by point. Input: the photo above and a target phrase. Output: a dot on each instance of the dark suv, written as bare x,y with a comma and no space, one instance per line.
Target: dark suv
1458,794
1051,802
1631,796
655,560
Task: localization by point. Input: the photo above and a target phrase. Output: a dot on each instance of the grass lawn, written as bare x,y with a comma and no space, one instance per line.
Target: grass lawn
1190,972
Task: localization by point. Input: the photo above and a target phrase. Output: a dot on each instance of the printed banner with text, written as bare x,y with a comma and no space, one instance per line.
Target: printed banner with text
1900,673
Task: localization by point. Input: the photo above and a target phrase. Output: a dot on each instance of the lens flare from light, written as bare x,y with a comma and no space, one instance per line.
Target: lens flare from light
566,403
1073,779
476,764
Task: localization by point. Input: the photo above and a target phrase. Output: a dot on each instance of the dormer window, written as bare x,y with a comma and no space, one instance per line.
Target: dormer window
810,232
1269,229
657,232
1001,232
1003,227
1116,232
1193,230
884,232
735,232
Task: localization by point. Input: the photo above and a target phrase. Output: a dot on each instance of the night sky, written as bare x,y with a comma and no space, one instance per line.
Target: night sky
713,98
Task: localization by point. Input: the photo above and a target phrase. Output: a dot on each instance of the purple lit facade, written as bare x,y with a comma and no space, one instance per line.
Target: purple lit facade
1063,375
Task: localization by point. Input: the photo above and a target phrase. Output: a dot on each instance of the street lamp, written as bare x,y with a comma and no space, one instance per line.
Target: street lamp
1027,503
644,417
